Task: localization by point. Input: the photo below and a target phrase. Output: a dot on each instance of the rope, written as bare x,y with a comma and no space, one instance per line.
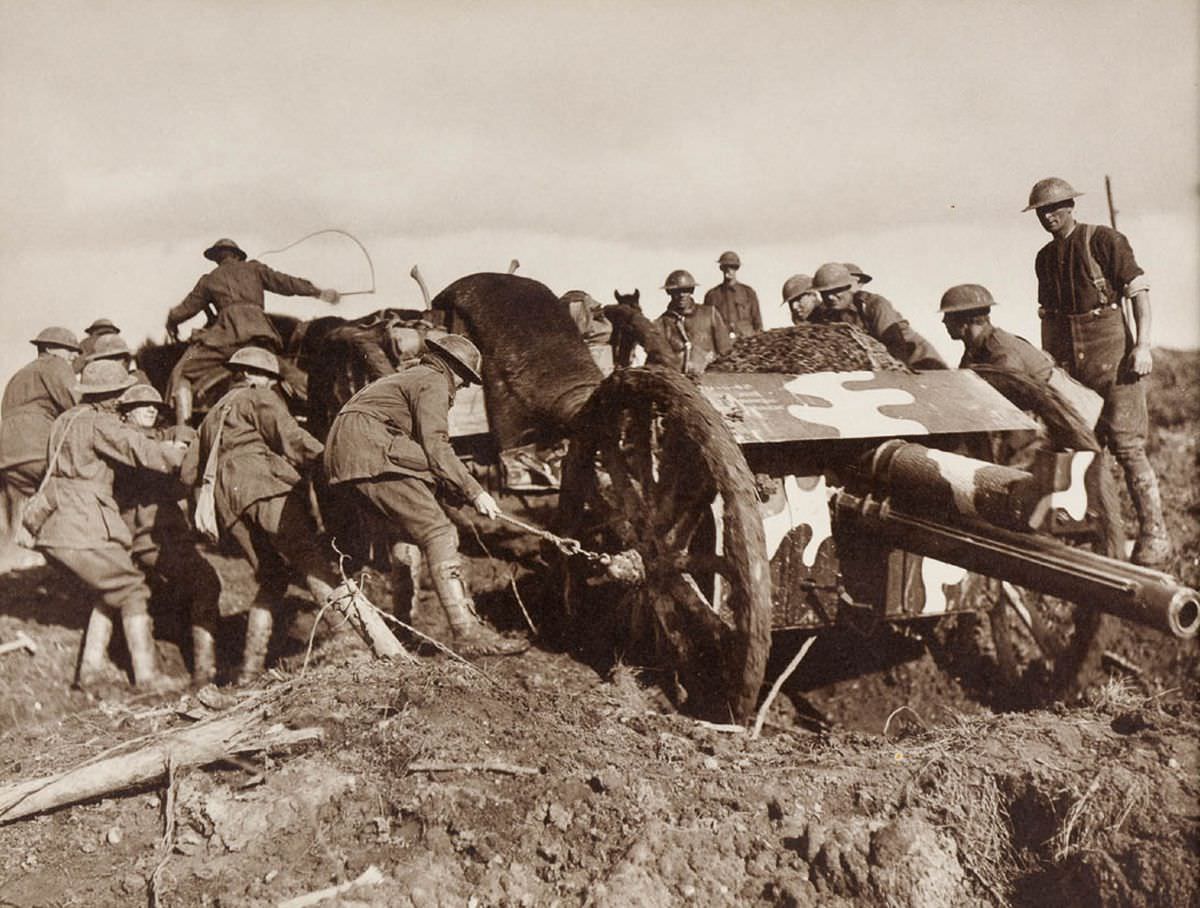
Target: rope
565,545
345,233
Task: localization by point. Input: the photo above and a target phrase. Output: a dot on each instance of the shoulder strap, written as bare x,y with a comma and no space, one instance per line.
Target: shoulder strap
52,463
210,464
1095,275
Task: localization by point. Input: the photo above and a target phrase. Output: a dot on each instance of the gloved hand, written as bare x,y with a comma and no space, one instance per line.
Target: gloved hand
486,505
172,332
329,296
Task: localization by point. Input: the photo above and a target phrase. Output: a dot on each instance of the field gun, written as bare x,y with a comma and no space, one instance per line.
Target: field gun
764,501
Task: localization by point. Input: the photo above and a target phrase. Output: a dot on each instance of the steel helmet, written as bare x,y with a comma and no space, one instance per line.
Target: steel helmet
255,359
103,377
460,354
1050,191
679,280
224,243
863,277
965,297
832,276
796,285
141,395
729,258
56,337
101,325
110,346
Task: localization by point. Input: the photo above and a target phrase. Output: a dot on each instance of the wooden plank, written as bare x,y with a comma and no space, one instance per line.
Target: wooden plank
771,407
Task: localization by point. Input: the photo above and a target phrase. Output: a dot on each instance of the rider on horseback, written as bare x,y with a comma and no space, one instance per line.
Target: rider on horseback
234,289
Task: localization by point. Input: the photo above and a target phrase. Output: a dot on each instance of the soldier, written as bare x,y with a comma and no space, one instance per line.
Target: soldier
390,446
799,297
113,346
164,544
33,399
101,327
235,290
1083,273
695,334
260,452
84,534
737,302
841,302
965,312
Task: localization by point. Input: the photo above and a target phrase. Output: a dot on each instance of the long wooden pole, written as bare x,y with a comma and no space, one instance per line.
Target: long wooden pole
1112,211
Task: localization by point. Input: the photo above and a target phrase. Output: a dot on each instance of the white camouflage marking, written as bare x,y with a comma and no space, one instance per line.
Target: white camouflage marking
936,576
1073,499
801,501
960,473
849,409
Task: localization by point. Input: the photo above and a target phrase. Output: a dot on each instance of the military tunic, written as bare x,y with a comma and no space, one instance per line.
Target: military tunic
703,328
85,533
235,289
33,399
1007,351
738,306
391,444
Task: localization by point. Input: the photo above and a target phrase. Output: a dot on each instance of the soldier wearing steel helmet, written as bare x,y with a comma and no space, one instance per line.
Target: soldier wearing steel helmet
101,327
259,453
1083,273
799,297
113,346
163,543
696,335
234,289
842,301
966,313
33,399
83,533
737,302
390,449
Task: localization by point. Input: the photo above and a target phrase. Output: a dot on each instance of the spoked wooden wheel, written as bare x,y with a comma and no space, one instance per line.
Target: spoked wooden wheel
653,469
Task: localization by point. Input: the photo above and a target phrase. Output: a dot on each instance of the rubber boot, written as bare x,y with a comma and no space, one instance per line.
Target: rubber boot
139,637
94,664
471,636
204,656
258,636
1153,546
183,404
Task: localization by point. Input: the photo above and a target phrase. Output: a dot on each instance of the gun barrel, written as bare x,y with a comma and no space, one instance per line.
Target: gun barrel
1128,591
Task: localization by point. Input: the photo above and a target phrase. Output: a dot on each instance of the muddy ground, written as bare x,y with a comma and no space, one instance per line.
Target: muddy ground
562,777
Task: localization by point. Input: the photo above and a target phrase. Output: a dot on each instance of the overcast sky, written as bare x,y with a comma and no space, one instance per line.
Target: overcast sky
601,144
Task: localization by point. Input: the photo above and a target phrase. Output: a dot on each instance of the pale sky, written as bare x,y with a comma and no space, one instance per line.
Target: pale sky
602,144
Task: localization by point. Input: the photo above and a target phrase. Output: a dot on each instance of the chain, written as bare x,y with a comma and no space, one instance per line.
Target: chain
564,544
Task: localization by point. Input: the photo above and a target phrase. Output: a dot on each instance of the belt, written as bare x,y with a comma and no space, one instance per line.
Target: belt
1044,313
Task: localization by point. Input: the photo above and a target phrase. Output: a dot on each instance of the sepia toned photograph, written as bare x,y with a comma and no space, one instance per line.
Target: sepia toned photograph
600,454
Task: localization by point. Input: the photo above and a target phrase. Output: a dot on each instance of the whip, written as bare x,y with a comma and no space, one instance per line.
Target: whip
348,235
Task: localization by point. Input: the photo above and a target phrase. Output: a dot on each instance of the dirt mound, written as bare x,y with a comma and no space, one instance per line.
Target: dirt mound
806,348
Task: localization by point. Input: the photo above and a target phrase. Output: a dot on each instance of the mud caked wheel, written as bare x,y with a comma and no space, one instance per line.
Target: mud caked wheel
652,468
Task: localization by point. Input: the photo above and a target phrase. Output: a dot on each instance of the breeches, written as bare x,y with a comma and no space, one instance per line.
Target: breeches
203,367
17,484
278,536
412,514
109,572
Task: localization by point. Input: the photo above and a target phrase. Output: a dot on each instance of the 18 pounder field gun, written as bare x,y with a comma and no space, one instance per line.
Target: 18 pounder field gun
761,501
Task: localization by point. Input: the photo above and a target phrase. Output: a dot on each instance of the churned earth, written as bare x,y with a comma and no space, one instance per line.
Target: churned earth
564,778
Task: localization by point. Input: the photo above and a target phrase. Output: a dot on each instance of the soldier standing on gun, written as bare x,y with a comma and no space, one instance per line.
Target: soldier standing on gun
391,446
1082,273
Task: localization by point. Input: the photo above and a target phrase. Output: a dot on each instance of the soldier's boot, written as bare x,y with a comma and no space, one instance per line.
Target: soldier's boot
259,623
139,637
1153,546
183,403
94,664
204,656
471,636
